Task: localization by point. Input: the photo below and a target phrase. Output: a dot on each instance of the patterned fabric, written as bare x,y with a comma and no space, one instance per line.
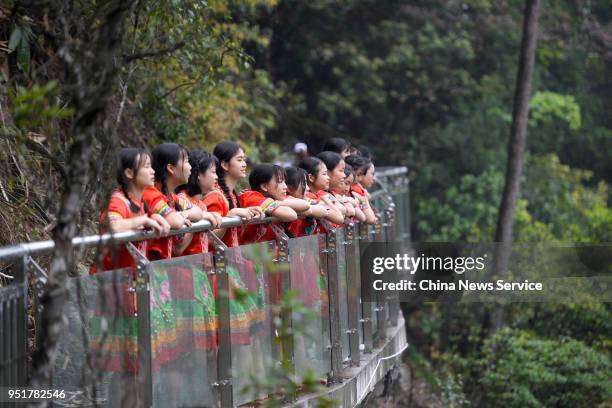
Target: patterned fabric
320,229
183,314
161,248
258,233
246,296
269,205
247,299
113,327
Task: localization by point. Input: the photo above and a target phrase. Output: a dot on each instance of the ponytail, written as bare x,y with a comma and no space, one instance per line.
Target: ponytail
163,155
224,188
224,152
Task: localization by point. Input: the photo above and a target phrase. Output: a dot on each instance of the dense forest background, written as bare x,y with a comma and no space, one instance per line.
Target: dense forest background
426,84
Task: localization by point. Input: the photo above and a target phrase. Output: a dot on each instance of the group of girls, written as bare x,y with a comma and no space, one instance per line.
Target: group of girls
173,187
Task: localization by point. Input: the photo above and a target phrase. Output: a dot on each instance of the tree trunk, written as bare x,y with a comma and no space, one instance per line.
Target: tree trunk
90,62
516,148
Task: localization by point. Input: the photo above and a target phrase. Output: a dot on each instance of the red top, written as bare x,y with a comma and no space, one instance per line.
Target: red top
316,198
119,209
161,248
215,201
199,242
358,188
261,232
303,226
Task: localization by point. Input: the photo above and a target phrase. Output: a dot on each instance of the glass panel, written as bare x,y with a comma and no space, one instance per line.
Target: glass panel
312,349
97,355
372,305
357,259
183,331
253,277
342,294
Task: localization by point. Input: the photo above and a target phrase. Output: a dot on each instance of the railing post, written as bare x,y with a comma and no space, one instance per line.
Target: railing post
21,277
224,352
277,352
39,280
394,298
288,340
14,327
354,292
334,311
379,308
143,311
366,307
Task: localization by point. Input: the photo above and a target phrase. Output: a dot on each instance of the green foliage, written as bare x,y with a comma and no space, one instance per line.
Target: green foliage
468,212
556,205
544,107
520,370
582,320
207,89
448,386
19,42
35,107
560,197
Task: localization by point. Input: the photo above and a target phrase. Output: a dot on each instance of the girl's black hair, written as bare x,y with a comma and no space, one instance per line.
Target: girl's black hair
130,158
364,151
311,165
359,163
163,155
224,152
264,173
295,178
331,159
200,162
336,144
348,170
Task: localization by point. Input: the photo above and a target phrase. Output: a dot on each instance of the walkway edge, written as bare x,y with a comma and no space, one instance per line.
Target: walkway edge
355,379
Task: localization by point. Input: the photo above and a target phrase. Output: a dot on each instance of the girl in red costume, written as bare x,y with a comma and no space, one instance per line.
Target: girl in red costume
202,179
343,194
222,199
172,169
364,176
318,186
246,314
116,344
269,192
126,211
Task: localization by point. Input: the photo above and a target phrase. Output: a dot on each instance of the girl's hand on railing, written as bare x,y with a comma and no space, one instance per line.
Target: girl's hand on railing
161,221
213,218
350,209
256,212
151,224
243,213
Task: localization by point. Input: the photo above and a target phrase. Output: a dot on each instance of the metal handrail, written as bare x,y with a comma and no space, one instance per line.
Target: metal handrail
42,247
393,171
